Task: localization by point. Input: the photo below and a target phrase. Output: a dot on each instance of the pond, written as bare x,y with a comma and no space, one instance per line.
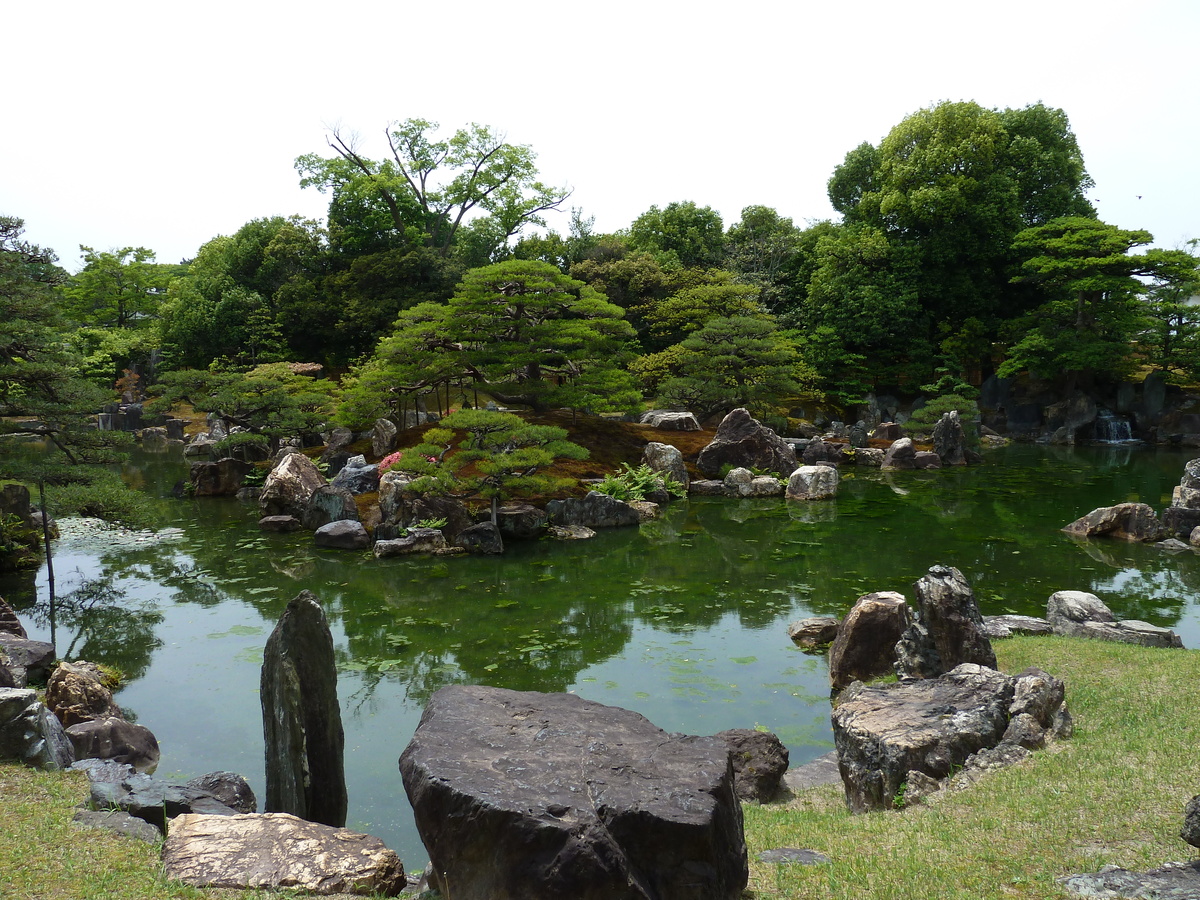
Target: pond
683,619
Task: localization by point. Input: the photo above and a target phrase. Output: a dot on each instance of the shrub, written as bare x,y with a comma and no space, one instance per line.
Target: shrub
104,497
635,484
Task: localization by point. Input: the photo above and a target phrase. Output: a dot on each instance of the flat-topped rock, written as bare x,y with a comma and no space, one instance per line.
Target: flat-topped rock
670,420
1080,614
1124,522
523,794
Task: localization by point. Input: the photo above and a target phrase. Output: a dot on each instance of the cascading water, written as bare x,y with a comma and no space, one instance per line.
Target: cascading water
1109,428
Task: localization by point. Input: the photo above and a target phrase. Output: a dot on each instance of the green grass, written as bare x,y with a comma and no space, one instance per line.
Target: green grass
1111,795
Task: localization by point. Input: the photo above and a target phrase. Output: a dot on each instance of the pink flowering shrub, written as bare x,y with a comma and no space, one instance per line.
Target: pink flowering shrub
388,461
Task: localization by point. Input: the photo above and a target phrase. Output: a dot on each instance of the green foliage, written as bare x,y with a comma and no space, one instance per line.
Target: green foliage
636,483
1170,338
268,400
950,393
236,444
501,456
116,289
104,496
681,235
19,544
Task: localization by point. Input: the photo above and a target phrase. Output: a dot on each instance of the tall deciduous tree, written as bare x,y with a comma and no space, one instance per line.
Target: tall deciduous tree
682,234
116,288
434,188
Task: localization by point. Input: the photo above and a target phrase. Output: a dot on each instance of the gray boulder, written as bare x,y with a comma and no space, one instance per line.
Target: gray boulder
818,451
482,538
946,628
115,785
326,504
302,722
815,632
383,437
344,534
759,761
596,510
230,788
280,524
708,487
926,459
667,460
76,693
275,850
865,646
30,733
1190,831
741,440
900,455
813,483
222,478
520,795
362,479
289,486
117,822
1174,881
1006,626
114,738
1124,522
416,540
521,522
569,533
744,483
1080,614
670,420
883,733
949,440
29,661
9,623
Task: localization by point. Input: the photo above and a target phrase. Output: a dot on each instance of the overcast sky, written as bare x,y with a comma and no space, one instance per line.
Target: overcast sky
163,125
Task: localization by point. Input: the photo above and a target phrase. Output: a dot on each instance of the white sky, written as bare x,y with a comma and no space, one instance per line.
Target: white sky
164,124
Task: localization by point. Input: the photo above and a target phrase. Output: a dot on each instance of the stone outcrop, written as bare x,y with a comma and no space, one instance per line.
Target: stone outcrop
744,483
818,451
759,761
482,538
815,632
741,440
344,534
1080,614
358,477
402,508
276,850
865,646
115,785
326,504
416,540
946,628
666,460
891,736
383,437
117,822
289,486
521,522
520,795
670,420
813,483
114,738
222,478
76,693
280,524
949,440
9,623
1006,626
569,533
1124,522
302,722
230,788
596,510
30,733
902,454
30,662
1174,881
1190,831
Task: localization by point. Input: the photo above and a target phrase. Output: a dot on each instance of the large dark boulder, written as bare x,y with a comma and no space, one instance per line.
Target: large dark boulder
222,478
883,733
482,538
902,454
521,522
1080,614
76,692
530,795
949,440
29,661
30,733
230,788
1125,522
865,646
358,479
759,760
946,628
344,534
115,785
289,485
596,510
302,722
114,738
329,504
275,850
742,441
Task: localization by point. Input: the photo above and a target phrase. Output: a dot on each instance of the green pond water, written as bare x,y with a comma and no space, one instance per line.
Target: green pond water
683,619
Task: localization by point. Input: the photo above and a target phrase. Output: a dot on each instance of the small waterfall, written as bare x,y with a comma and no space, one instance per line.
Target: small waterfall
1109,428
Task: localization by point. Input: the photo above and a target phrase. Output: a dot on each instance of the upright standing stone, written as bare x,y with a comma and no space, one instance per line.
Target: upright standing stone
947,629
302,723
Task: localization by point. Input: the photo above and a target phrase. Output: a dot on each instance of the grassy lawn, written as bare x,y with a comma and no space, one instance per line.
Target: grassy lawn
1111,795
